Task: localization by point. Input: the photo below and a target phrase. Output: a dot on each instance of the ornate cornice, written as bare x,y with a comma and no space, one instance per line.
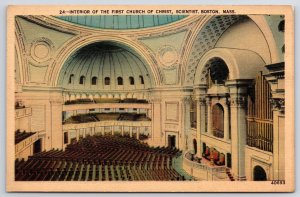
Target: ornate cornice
202,101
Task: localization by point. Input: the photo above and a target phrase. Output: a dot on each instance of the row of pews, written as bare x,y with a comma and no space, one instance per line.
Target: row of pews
95,117
101,158
22,135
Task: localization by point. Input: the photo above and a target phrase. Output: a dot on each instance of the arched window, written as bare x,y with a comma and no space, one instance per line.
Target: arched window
259,174
142,79
82,80
71,78
218,120
120,80
94,80
131,80
107,81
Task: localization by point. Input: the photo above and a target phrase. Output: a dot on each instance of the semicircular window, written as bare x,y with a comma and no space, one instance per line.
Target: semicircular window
122,21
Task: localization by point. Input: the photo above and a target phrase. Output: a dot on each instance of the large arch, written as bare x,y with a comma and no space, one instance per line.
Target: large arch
242,64
77,43
189,67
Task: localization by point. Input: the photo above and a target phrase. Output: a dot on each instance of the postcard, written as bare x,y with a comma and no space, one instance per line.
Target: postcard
150,98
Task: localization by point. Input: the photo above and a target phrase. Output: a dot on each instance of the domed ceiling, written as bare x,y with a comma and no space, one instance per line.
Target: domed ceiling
105,66
122,21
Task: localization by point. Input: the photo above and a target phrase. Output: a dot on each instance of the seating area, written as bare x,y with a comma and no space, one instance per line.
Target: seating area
101,158
79,101
20,136
105,100
94,117
212,154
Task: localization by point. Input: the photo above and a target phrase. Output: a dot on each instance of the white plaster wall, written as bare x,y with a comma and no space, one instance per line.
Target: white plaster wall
253,157
245,35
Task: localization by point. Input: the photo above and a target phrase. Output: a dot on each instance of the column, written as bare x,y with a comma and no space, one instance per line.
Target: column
276,79
84,132
200,123
56,124
202,102
209,118
130,131
187,143
77,135
122,130
199,151
137,133
92,131
156,121
112,130
278,139
103,130
238,104
226,122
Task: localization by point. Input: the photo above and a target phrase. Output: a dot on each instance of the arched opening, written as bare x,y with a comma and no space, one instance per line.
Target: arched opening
120,80
106,81
218,120
259,174
131,80
71,78
82,80
195,146
94,80
142,79
218,71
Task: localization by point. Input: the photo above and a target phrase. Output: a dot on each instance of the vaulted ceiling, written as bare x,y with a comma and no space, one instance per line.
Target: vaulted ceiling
122,21
105,60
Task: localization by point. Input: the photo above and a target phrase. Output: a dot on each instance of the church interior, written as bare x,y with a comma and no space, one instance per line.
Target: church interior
149,97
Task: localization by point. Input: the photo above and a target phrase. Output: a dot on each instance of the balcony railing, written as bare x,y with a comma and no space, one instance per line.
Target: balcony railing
22,112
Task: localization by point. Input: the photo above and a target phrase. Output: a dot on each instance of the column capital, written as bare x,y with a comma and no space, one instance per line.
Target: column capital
278,104
208,100
187,100
202,101
155,100
238,101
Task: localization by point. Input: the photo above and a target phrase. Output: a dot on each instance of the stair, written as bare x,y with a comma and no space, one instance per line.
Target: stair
229,174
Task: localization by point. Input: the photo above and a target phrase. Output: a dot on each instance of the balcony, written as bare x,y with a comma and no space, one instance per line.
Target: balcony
22,112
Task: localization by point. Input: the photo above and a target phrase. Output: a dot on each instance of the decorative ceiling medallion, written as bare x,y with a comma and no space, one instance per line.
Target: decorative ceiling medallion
41,50
167,56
